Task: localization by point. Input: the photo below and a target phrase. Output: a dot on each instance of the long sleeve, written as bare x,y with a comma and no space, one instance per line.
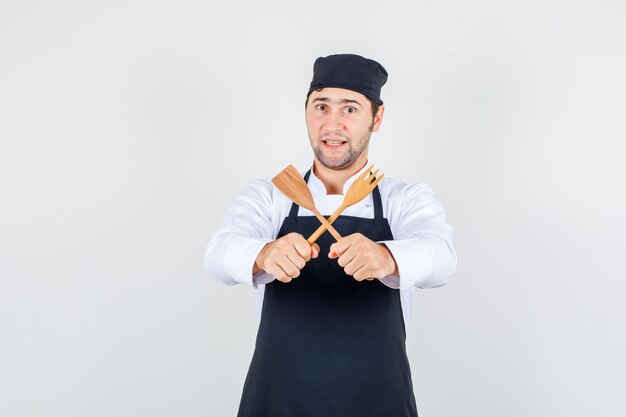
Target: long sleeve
423,247
244,230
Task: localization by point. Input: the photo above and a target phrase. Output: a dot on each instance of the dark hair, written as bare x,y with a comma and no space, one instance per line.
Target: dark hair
374,105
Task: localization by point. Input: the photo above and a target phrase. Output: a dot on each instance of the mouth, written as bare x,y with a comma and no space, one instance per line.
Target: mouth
334,143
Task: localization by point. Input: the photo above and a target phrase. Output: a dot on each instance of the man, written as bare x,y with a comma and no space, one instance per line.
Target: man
331,340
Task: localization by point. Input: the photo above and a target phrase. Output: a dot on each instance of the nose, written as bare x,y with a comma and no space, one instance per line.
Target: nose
334,121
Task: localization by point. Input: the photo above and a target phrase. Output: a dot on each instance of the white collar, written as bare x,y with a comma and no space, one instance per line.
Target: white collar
318,188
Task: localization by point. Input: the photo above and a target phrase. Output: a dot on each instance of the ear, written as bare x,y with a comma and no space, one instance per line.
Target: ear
378,118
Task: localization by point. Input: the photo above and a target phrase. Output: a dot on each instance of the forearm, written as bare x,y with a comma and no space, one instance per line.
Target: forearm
393,265
245,229
258,262
422,246
231,258
427,261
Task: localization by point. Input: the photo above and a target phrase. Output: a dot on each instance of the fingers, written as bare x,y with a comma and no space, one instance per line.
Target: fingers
300,246
286,256
362,274
315,250
348,257
293,259
291,268
343,244
362,258
364,268
275,270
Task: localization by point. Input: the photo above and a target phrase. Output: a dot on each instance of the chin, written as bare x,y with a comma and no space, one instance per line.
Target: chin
337,165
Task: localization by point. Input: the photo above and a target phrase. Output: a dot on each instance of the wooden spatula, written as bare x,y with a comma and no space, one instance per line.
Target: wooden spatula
359,189
290,183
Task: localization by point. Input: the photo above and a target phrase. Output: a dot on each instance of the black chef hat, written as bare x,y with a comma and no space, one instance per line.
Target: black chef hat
352,72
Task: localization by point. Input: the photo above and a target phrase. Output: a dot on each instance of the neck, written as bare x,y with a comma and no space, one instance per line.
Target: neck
334,179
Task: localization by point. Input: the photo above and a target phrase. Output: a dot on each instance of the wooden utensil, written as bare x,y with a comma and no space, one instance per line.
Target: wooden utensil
359,189
295,188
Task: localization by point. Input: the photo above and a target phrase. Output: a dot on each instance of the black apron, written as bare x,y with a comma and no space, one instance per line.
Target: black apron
328,345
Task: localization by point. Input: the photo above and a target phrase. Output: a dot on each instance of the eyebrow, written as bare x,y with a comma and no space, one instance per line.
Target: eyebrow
341,101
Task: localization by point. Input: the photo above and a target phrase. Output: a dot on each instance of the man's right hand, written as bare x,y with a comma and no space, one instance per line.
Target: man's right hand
285,257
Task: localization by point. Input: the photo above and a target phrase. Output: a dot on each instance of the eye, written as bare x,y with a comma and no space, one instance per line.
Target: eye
350,110
321,107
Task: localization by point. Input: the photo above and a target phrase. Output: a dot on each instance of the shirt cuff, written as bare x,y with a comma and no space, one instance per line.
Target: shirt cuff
241,261
262,278
414,262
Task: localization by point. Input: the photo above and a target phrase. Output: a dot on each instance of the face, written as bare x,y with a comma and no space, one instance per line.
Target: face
340,124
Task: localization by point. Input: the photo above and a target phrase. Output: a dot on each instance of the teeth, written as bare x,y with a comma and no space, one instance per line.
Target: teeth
334,143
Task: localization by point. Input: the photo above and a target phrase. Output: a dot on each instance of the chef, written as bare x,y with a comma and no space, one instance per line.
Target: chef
333,315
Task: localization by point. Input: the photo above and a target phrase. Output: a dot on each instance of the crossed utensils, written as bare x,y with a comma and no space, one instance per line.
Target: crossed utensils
290,183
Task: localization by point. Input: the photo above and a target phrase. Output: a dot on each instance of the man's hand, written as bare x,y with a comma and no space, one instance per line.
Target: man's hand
285,257
362,258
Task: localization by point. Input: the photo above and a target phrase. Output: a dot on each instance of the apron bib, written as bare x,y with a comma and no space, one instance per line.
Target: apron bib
328,345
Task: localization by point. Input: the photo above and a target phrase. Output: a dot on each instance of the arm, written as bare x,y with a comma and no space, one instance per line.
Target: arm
242,249
423,249
421,254
244,231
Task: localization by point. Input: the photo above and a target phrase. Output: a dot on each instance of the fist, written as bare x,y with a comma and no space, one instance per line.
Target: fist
286,256
362,258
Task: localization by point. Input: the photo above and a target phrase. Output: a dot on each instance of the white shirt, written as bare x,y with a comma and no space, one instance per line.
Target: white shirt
422,245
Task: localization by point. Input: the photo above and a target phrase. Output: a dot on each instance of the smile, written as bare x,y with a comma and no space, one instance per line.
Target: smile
334,143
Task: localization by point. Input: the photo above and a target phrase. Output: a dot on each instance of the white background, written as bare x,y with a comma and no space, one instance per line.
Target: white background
128,127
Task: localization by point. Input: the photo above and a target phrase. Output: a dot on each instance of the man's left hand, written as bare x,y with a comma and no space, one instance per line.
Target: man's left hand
362,258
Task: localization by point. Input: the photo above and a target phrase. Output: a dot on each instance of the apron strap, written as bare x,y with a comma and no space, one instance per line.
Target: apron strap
378,203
